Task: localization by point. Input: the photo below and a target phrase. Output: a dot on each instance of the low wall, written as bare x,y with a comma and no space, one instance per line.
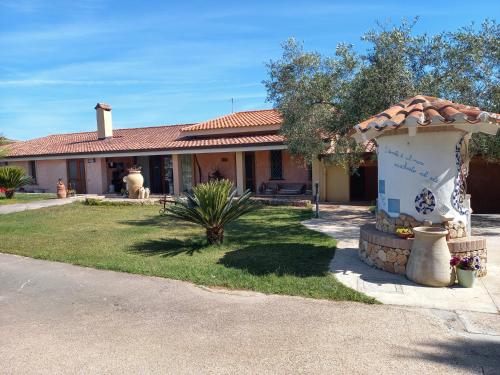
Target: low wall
390,253
388,224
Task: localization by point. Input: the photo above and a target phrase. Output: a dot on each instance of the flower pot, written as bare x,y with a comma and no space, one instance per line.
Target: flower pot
134,182
466,278
429,261
61,190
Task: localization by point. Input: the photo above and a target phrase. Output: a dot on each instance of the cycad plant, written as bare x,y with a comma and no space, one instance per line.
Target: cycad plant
12,178
213,205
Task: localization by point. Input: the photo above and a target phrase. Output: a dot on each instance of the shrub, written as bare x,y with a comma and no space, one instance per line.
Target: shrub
12,178
212,205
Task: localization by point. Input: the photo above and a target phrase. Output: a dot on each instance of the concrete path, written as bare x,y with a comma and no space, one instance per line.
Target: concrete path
343,222
57,318
18,207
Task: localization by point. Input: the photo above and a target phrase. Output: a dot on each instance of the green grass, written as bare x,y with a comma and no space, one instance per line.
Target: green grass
267,251
25,198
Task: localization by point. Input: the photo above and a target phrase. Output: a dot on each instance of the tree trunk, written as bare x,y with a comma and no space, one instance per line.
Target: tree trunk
9,194
215,235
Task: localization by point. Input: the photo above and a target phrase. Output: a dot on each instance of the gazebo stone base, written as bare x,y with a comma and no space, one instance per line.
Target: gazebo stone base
388,224
390,253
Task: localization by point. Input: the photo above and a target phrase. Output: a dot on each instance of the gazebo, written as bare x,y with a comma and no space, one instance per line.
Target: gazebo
423,159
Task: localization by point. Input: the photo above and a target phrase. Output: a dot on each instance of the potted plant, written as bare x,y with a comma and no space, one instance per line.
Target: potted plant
404,233
467,268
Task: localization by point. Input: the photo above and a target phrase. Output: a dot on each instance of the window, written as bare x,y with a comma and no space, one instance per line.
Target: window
276,165
32,170
187,172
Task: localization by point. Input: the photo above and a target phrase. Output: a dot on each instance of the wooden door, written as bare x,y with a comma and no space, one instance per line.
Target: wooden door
76,175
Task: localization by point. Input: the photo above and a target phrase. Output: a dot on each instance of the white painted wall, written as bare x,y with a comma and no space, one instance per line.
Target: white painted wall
409,164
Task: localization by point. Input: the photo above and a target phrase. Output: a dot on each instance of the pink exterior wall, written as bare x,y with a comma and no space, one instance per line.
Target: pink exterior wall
22,164
49,172
294,169
96,176
25,165
224,162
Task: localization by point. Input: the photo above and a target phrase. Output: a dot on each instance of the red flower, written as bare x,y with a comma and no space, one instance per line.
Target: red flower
455,261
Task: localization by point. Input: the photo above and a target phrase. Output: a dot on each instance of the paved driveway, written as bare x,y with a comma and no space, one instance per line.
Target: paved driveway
18,207
57,318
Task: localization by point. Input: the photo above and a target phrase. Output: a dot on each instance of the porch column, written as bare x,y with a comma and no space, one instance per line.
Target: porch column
176,166
240,177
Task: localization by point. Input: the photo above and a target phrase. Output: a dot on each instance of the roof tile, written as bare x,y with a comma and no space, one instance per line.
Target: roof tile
435,111
154,138
239,120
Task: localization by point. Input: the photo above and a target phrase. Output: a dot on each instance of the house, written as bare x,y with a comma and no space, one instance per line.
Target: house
244,147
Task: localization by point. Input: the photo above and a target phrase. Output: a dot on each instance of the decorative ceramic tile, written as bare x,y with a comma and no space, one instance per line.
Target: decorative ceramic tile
457,198
393,205
425,202
381,186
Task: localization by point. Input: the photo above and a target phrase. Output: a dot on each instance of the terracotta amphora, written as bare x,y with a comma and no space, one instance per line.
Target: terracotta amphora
61,189
429,261
135,180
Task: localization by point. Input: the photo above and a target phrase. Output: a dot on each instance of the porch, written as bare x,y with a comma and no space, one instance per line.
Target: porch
267,173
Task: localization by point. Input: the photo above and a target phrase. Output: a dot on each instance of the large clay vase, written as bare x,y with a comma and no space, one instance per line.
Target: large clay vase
61,190
134,182
429,261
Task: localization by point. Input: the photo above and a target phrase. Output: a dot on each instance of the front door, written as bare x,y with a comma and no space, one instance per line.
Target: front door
250,171
76,175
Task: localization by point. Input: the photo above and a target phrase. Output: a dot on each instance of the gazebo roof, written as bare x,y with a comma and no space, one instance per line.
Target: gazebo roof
425,111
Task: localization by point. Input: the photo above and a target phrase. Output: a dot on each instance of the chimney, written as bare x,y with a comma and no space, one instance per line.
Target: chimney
104,122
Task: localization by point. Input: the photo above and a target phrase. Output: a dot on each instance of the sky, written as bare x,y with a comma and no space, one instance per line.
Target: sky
171,62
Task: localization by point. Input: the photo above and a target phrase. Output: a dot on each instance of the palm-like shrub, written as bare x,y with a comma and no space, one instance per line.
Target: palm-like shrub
12,178
213,205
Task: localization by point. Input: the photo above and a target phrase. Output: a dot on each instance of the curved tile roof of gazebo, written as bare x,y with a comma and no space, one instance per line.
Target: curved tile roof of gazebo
422,111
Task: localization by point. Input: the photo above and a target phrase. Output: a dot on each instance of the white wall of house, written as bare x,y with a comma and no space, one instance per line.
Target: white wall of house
408,164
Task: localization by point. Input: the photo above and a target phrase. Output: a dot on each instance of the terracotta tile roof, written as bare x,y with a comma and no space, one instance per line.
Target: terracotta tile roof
428,110
154,138
239,120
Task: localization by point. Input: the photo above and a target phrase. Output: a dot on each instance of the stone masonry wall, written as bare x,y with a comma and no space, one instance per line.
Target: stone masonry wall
388,224
390,253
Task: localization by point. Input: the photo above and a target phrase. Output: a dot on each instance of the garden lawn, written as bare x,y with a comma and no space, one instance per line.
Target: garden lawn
267,251
26,198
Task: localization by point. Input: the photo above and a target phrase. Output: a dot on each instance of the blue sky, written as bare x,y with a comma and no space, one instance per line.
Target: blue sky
167,62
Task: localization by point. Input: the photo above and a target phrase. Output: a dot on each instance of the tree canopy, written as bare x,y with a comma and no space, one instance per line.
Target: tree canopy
3,142
321,97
